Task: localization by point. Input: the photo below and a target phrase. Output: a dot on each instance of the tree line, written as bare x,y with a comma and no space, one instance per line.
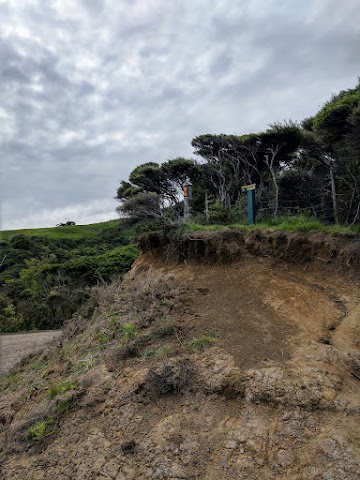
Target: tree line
310,167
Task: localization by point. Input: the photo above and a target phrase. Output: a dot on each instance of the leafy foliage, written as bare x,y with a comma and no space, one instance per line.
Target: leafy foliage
44,278
312,168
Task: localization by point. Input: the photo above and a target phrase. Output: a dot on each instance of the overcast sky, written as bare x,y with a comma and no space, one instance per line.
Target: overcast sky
92,88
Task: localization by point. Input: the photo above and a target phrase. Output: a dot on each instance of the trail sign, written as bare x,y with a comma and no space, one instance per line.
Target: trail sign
247,188
250,189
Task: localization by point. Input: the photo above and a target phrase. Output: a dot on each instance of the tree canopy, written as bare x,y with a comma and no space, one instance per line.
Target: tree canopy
312,167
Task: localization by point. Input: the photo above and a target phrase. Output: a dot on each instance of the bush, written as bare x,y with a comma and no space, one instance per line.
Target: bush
9,320
105,265
167,329
40,429
201,343
129,330
219,214
62,386
37,431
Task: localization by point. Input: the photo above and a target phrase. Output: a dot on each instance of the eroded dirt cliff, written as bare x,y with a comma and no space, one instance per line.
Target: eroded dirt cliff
218,357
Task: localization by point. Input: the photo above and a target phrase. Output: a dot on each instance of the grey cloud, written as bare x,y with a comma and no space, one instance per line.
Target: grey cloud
94,88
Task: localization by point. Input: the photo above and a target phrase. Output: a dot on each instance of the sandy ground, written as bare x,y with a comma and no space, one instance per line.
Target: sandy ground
13,347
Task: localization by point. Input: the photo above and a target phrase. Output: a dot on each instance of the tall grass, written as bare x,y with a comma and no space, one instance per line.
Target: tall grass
302,223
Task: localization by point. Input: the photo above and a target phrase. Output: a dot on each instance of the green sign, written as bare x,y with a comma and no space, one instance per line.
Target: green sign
250,189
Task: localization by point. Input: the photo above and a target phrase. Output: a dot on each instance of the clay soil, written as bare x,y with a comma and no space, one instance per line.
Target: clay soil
266,310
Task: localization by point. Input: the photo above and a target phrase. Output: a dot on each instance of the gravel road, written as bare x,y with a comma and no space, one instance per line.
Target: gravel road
13,347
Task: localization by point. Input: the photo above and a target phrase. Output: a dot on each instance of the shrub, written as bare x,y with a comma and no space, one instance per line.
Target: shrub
129,330
167,329
201,343
63,406
40,429
163,352
62,386
11,382
103,339
150,353
37,431
9,320
213,333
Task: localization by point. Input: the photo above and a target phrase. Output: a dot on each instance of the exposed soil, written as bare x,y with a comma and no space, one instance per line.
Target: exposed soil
14,347
264,310
340,253
275,394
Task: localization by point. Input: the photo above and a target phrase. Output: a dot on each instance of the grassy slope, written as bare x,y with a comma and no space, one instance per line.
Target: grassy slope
75,232
291,223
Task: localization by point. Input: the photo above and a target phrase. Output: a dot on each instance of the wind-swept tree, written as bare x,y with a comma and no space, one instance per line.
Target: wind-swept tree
235,160
155,191
278,146
333,140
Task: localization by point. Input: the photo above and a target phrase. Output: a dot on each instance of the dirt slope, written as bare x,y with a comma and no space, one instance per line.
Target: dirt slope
272,390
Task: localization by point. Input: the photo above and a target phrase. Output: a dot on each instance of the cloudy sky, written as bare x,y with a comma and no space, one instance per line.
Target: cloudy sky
92,88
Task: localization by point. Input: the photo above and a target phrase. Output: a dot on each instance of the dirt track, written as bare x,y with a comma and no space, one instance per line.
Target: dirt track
14,347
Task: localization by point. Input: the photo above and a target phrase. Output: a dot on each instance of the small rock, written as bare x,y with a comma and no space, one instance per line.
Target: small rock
231,444
128,447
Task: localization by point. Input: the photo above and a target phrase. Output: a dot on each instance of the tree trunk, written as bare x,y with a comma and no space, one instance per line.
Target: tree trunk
276,197
333,194
206,211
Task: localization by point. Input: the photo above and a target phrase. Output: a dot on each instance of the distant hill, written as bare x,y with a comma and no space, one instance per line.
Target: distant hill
75,232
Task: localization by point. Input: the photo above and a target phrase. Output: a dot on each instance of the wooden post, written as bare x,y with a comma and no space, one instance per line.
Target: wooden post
206,211
187,200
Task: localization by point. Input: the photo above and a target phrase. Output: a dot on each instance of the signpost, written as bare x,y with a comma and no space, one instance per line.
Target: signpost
250,189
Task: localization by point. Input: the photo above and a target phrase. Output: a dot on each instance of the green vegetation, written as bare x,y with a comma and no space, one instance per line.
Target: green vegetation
163,352
283,222
213,333
129,330
63,406
201,342
11,382
312,168
158,353
306,176
150,353
167,329
60,387
76,232
46,274
37,431
40,429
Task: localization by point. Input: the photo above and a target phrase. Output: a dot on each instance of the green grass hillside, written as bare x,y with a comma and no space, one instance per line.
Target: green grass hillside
74,232
46,274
